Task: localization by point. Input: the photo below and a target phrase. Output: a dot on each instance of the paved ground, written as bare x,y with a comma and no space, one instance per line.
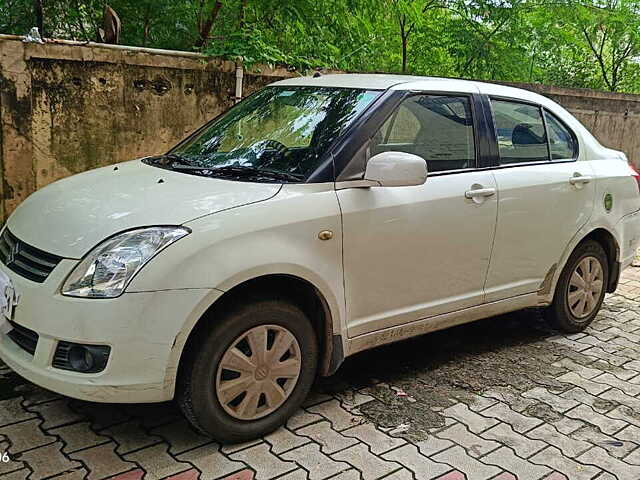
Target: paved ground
503,398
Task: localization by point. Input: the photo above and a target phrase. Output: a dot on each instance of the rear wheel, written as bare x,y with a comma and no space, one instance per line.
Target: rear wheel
581,288
249,372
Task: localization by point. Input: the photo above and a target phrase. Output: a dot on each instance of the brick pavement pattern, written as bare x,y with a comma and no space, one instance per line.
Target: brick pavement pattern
587,427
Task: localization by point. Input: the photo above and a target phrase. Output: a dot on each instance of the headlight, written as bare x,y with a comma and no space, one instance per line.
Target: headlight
107,270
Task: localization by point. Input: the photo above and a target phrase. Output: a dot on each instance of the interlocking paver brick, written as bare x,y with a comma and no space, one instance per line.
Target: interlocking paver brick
303,418
157,462
556,402
618,396
458,458
423,467
511,397
192,474
402,474
623,373
433,445
102,461
211,461
26,435
570,447
318,464
329,439
611,444
613,381
340,418
180,436
553,457
136,474
599,404
583,371
453,475
48,461
630,433
130,436
476,422
367,463
475,445
573,344
598,352
520,423
11,411
590,386
607,424
625,414
599,457
266,464
633,458
504,434
282,440
78,436
477,403
522,469
378,441
55,413
236,447
17,475
301,474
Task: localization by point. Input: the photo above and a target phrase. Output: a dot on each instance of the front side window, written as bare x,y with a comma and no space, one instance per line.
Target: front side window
437,128
521,132
562,143
278,133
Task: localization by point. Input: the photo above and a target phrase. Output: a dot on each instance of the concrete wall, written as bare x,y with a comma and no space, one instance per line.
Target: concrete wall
68,107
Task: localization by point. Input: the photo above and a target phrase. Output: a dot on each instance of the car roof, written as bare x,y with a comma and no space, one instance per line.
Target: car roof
377,81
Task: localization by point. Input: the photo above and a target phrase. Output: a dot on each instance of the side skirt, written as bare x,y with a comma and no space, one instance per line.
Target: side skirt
440,322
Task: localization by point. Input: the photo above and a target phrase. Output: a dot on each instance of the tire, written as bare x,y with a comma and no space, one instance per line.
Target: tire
203,392
560,313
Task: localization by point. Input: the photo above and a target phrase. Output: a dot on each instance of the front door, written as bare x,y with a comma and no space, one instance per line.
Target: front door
414,252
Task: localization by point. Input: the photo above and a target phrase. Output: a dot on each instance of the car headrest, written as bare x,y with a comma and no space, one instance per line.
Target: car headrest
522,135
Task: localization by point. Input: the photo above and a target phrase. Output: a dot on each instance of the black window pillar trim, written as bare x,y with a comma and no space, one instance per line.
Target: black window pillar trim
358,133
488,155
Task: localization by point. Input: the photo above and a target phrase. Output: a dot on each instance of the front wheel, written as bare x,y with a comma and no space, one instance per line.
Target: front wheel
249,372
581,288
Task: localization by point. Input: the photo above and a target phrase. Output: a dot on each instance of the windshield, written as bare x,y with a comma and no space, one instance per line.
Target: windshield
277,133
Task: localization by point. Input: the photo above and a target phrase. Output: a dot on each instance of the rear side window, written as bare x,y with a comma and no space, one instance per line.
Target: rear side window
562,143
437,128
521,132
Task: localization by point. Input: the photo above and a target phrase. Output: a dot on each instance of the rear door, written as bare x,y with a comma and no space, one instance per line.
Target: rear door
546,196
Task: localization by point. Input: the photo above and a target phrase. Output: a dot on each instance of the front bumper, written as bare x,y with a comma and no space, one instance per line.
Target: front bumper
145,331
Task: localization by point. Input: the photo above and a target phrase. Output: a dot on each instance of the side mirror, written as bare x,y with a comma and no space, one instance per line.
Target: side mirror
396,169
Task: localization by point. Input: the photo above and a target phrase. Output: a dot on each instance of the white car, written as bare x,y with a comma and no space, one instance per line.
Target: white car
317,218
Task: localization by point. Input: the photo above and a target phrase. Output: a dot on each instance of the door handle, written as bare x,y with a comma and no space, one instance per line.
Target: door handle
578,179
480,193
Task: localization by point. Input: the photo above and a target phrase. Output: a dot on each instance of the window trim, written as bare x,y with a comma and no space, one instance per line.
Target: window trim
496,160
576,150
495,129
474,124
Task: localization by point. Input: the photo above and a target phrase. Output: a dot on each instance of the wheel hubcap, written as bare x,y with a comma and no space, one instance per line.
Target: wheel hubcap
258,372
585,287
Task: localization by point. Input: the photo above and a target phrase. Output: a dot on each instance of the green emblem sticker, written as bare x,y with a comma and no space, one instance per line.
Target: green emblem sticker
608,202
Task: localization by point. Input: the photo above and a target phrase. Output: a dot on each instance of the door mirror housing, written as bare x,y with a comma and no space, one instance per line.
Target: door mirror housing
396,169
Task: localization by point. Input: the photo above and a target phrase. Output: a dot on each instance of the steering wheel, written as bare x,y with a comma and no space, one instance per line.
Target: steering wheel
279,147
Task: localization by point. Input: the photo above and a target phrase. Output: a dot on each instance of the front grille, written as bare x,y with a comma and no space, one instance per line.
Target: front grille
23,337
25,260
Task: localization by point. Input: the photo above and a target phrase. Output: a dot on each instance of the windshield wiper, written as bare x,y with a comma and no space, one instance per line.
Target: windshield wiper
246,171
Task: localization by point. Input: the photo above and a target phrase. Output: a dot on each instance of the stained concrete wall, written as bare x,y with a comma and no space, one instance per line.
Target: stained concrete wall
68,107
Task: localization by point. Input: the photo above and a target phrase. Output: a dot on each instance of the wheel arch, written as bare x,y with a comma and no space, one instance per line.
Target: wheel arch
294,289
610,245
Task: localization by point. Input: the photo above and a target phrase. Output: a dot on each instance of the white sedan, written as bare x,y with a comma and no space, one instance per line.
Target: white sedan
317,218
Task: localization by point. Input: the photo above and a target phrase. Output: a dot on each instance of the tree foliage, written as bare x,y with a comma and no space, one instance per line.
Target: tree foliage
577,43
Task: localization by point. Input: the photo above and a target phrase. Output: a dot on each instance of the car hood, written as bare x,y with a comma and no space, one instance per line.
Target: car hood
71,216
